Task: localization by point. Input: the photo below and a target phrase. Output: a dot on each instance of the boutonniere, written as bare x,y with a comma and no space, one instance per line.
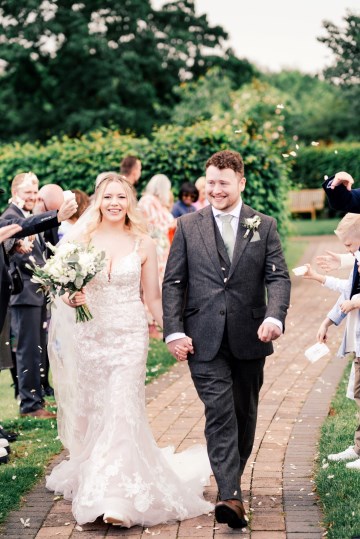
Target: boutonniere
251,223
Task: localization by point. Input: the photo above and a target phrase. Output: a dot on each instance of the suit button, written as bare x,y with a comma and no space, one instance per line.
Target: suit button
222,313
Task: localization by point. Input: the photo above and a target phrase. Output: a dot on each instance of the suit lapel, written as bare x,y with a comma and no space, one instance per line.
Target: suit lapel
206,226
16,210
241,242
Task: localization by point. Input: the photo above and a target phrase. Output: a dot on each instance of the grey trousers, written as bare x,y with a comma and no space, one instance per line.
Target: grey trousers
229,389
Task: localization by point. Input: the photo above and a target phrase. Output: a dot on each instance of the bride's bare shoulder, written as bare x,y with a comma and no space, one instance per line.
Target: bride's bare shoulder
147,244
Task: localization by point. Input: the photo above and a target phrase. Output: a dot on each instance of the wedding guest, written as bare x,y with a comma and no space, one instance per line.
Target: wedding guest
28,309
130,167
340,194
16,228
49,197
348,305
224,261
154,205
115,469
83,201
202,200
188,194
28,227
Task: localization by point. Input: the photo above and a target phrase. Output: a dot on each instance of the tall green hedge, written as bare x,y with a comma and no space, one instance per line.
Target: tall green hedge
178,152
313,163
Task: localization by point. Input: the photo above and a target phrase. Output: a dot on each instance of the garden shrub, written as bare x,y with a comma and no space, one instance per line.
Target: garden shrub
312,164
178,152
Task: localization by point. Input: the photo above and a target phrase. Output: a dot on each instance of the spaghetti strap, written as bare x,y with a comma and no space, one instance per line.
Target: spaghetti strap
137,244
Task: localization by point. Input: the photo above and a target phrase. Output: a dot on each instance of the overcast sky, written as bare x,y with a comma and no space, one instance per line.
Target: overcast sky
276,34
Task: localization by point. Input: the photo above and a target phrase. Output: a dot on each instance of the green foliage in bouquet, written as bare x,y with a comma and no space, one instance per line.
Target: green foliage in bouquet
70,268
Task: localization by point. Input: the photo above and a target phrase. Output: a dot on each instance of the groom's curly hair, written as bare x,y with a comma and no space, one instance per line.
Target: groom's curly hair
227,159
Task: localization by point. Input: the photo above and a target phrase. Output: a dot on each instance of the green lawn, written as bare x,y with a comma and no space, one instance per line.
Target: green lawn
38,441
338,487
294,250
307,227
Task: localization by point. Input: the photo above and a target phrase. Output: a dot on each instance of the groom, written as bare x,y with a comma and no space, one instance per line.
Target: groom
225,260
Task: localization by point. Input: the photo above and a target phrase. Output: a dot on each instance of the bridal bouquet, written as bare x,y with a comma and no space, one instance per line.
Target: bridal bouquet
69,269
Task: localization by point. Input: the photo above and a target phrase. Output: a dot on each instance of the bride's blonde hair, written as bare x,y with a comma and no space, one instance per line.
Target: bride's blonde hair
133,220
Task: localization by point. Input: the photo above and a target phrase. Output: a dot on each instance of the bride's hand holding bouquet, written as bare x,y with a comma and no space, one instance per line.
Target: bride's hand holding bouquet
66,273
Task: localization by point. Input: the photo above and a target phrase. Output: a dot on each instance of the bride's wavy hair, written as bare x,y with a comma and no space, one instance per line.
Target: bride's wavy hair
133,220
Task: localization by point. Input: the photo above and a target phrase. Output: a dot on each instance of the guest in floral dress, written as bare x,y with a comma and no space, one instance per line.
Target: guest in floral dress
154,205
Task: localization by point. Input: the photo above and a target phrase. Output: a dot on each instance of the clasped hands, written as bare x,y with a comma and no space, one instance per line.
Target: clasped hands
180,348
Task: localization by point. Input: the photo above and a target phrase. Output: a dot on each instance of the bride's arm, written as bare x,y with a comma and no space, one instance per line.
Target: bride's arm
150,279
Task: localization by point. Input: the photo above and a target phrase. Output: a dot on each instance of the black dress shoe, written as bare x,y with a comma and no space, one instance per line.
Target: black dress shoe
231,512
9,436
3,456
49,391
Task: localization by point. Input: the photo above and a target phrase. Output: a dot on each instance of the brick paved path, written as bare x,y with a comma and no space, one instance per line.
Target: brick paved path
277,485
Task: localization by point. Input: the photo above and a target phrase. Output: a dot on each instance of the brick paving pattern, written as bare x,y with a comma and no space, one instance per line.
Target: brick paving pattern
277,485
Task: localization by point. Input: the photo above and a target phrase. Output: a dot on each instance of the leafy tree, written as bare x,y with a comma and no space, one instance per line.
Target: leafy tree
345,69
316,109
71,66
202,99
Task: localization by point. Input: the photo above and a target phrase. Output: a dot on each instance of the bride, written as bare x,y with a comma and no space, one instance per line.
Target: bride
115,469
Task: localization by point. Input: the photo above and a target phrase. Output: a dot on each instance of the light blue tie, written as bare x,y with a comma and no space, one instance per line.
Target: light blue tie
228,233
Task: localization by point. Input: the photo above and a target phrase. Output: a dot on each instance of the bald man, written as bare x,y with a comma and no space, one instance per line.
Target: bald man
50,197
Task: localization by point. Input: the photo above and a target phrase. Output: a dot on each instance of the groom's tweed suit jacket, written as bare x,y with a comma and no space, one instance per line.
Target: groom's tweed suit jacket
203,293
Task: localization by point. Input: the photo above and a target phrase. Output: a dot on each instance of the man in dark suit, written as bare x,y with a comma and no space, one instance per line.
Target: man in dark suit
225,260
28,309
28,227
49,197
339,193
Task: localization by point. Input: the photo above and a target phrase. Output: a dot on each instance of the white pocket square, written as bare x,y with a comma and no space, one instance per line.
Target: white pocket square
256,236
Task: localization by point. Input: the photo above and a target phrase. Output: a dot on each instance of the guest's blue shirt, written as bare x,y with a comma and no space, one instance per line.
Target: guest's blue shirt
179,209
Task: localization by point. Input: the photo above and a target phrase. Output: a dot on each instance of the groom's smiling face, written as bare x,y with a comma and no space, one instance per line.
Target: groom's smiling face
223,187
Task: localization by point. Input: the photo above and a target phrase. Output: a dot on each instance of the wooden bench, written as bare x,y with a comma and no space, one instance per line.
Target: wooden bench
307,201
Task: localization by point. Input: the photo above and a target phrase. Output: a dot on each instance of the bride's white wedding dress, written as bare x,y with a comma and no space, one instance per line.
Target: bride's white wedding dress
115,467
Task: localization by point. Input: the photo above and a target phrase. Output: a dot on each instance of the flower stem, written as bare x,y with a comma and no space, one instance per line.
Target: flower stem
83,313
